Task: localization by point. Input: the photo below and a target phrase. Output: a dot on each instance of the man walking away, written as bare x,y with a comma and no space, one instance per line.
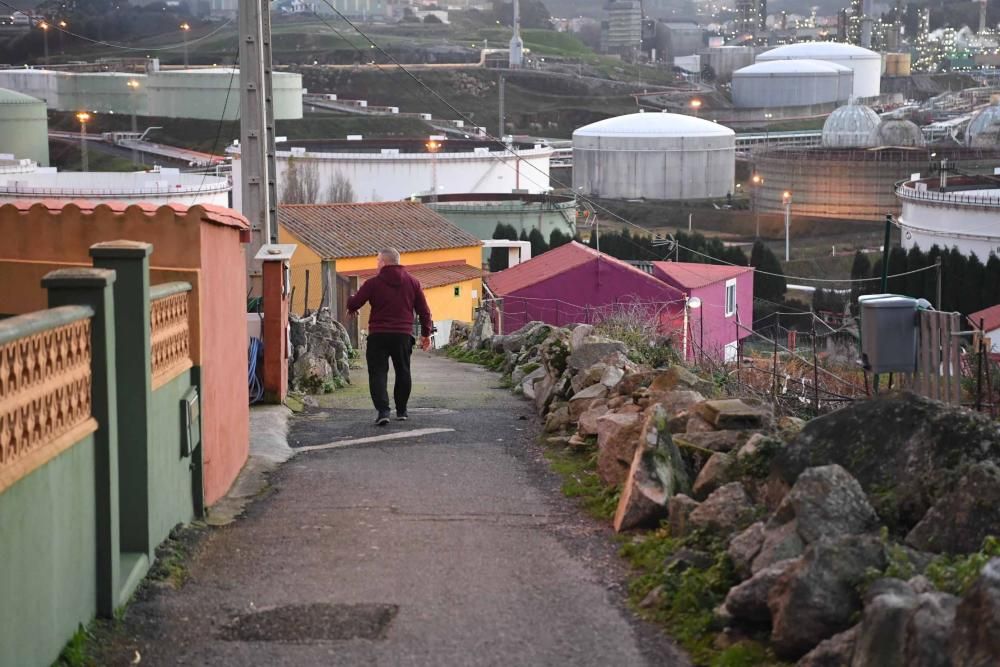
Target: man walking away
394,295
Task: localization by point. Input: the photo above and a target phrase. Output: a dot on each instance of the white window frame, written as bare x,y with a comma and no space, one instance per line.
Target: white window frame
731,305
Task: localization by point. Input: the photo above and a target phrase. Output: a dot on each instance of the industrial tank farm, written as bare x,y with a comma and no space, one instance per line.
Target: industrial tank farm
867,65
24,127
654,156
791,83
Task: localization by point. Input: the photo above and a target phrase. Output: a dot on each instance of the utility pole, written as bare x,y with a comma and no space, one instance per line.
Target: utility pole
937,267
503,121
257,128
788,221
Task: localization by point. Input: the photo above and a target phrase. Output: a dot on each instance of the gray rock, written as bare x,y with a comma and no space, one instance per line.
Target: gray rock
679,509
818,596
557,420
714,474
962,518
529,380
975,639
591,350
686,558
585,399
545,393
677,400
836,651
612,376
929,630
580,333
726,510
587,423
482,330
747,602
826,502
734,414
744,547
678,377
882,639
717,441
780,542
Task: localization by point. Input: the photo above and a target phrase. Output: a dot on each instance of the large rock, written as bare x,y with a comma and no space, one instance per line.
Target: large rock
587,422
530,380
732,413
726,510
780,542
975,640
612,376
836,651
716,441
557,420
881,640
713,474
321,350
617,440
677,400
962,518
818,596
633,382
589,376
580,333
482,330
929,630
826,502
678,377
679,509
591,350
586,399
747,602
903,449
657,473
744,547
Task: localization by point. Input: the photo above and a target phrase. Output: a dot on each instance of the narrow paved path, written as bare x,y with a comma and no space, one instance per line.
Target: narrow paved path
454,548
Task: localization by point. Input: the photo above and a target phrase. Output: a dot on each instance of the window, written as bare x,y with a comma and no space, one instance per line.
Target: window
458,290
730,297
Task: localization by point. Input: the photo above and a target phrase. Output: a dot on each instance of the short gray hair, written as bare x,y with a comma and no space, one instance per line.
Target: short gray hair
389,255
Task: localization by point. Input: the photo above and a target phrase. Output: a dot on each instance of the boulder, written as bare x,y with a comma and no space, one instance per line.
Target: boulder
929,630
587,423
696,423
656,474
903,449
747,602
964,516
780,542
522,371
726,510
881,640
612,376
589,376
676,401
744,547
751,447
836,651
545,392
817,597
529,381
686,558
557,420
679,509
716,441
678,377
554,351
617,440
732,413
826,502
586,399
482,330
580,333
714,474
459,334
975,639
591,350
633,382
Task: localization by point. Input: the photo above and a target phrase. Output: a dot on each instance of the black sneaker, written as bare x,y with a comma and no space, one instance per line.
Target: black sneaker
382,419
402,416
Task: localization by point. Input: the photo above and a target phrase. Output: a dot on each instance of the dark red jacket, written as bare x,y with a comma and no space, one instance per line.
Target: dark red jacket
393,294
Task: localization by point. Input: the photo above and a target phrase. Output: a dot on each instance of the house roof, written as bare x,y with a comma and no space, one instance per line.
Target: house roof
210,213
553,263
361,230
990,317
692,275
435,274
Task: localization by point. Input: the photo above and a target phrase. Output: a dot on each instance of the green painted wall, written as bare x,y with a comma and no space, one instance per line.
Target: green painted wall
48,557
170,499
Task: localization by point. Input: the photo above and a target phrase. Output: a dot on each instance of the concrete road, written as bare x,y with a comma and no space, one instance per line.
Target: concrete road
454,548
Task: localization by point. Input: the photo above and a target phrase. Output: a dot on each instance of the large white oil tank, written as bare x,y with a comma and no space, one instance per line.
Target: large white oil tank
202,93
791,83
24,127
654,156
867,65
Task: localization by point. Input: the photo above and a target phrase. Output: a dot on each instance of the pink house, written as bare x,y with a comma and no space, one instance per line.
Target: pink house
575,283
724,293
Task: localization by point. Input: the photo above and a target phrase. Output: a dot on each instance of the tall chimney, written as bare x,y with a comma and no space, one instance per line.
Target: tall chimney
516,45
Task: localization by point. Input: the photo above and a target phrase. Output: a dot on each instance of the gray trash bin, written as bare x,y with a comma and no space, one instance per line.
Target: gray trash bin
888,333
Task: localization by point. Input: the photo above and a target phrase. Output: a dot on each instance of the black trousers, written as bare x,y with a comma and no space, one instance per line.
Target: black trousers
381,348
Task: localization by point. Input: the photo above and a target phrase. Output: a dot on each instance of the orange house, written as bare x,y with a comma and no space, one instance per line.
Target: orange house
201,245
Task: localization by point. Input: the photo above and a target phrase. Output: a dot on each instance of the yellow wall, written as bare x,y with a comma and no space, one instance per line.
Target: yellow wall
444,305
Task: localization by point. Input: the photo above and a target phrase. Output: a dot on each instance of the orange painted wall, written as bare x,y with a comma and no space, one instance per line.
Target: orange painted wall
208,255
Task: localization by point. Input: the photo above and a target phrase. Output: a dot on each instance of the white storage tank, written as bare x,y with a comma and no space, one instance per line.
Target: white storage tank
24,127
654,156
791,83
867,65
851,126
201,93
160,186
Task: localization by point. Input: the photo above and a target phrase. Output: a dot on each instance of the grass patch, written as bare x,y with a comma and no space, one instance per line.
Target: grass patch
76,653
294,403
487,358
173,554
578,468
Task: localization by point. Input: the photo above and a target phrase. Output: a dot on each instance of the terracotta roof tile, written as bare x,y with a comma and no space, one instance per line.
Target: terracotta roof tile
692,275
435,274
990,317
360,230
219,215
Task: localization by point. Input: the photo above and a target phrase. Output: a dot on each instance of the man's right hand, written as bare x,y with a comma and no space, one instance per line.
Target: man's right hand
425,343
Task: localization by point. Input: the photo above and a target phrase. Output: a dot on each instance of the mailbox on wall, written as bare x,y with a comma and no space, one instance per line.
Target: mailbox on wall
888,333
190,422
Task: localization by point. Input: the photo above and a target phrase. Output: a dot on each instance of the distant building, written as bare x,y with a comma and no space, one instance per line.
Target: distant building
751,17
677,39
622,32
991,325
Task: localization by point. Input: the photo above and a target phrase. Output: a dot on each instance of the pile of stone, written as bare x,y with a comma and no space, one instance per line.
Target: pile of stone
809,514
321,352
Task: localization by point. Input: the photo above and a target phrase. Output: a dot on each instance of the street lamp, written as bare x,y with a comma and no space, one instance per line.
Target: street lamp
62,28
786,197
433,146
83,117
133,85
756,181
694,303
184,31
45,40
695,105
767,129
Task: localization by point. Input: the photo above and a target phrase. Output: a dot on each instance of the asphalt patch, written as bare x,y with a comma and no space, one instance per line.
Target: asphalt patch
313,622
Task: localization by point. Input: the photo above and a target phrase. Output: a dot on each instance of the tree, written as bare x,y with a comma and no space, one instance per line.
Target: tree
340,191
432,18
558,238
498,256
770,287
861,268
538,244
301,184
534,14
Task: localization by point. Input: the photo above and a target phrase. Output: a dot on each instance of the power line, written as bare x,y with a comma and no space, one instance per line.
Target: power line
222,114
114,45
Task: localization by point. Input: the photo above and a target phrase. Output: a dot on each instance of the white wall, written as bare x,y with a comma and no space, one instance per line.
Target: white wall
972,230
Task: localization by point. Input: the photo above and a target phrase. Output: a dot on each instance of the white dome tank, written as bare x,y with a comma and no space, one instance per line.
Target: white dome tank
898,132
867,65
984,128
654,156
851,126
791,83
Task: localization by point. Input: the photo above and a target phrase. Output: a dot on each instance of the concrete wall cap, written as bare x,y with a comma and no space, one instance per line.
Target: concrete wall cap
78,277
121,248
